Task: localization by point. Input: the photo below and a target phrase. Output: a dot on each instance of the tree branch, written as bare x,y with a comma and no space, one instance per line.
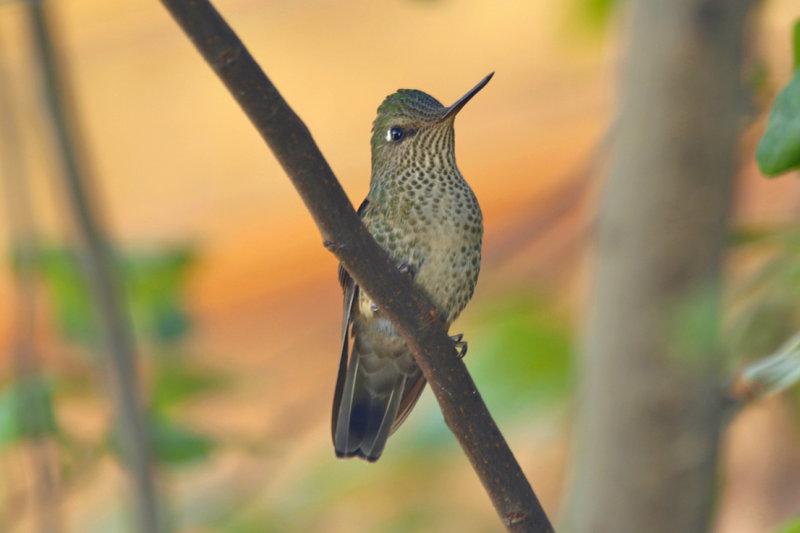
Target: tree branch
413,315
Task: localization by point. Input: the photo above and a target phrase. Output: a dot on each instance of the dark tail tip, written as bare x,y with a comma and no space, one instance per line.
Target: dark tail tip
357,453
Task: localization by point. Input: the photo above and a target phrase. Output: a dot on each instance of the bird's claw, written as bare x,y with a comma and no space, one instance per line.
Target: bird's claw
405,268
460,345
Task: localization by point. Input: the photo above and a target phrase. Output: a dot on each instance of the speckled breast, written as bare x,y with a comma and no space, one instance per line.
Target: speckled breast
434,225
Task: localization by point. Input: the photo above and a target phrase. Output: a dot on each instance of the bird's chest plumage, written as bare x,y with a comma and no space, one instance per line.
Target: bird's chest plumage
430,220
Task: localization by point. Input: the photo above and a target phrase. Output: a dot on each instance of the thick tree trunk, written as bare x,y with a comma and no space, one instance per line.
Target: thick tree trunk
650,412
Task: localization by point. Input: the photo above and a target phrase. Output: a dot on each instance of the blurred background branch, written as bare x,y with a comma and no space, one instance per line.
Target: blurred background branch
118,354
34,406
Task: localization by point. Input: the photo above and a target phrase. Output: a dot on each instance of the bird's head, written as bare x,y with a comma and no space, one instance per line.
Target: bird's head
412,124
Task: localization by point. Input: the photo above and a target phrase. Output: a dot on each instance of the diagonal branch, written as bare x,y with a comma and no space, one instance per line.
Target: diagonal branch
413,315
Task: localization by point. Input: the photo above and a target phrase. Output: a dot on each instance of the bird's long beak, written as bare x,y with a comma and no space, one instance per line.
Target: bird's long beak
455,108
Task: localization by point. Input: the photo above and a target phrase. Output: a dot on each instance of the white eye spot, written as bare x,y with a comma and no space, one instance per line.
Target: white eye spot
395,134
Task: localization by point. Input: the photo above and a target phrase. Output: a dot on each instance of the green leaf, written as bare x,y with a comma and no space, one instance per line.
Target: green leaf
175,444
779,148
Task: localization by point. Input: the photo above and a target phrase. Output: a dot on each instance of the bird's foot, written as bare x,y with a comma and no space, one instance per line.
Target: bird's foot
461,345
405,268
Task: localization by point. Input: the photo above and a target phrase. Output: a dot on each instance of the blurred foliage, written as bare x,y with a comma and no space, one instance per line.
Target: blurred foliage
520,355
695,331
328,486
791,527
779,148
152,283
594,15
746,235
176,445
523,355
796,43
758,76
521,358
26,411
254,524
764,309
170,442
177,383
67,293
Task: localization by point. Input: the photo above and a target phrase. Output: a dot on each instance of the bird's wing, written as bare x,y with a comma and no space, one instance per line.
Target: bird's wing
350,289
415,384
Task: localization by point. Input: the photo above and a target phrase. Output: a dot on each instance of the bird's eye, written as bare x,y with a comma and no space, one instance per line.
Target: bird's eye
395,134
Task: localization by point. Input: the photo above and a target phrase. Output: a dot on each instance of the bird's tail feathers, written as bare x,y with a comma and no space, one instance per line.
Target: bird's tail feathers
370,400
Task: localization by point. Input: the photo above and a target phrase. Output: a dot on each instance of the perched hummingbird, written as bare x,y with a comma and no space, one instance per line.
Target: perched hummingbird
426,217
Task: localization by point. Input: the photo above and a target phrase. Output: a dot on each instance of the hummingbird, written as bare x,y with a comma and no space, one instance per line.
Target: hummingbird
423,213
